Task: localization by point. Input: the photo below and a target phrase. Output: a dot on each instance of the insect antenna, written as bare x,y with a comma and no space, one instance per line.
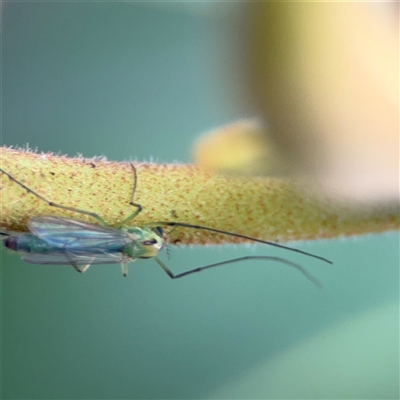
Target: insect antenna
238,235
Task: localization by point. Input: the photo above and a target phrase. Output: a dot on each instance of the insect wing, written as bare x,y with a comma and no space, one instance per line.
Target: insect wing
75,236
75,258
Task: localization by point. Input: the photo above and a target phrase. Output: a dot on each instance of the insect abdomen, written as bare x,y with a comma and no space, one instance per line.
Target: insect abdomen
26,243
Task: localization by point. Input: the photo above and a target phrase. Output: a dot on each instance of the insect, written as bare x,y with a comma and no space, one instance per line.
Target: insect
63,241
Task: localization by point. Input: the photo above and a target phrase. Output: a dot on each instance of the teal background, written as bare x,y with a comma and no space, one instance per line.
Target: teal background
131,81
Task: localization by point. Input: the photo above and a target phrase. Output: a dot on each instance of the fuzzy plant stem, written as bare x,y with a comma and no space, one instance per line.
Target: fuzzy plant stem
263,208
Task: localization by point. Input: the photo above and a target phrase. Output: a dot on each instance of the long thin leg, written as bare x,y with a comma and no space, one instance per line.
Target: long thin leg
278,259
52,204
132,203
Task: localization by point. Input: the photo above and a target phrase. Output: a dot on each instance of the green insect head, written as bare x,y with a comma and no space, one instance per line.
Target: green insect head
146,242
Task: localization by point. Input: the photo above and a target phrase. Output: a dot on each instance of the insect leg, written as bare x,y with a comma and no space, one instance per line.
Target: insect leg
52,204
310,277
131,202
82,269
124,268
166,269
85,267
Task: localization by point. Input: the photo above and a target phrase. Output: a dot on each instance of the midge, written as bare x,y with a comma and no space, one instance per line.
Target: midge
64,241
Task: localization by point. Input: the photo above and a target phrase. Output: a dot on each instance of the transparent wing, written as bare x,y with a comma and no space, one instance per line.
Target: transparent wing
75,235
67,258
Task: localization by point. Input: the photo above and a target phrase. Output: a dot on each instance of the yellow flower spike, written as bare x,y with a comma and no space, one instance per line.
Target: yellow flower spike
263,208
242,148
325,76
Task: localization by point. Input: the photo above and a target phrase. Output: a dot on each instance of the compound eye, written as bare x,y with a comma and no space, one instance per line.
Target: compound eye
159,231
149,242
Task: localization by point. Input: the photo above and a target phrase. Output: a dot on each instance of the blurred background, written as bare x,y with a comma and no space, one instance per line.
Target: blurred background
141,82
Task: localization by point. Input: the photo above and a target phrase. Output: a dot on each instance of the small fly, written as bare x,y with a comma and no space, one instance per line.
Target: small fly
64,241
